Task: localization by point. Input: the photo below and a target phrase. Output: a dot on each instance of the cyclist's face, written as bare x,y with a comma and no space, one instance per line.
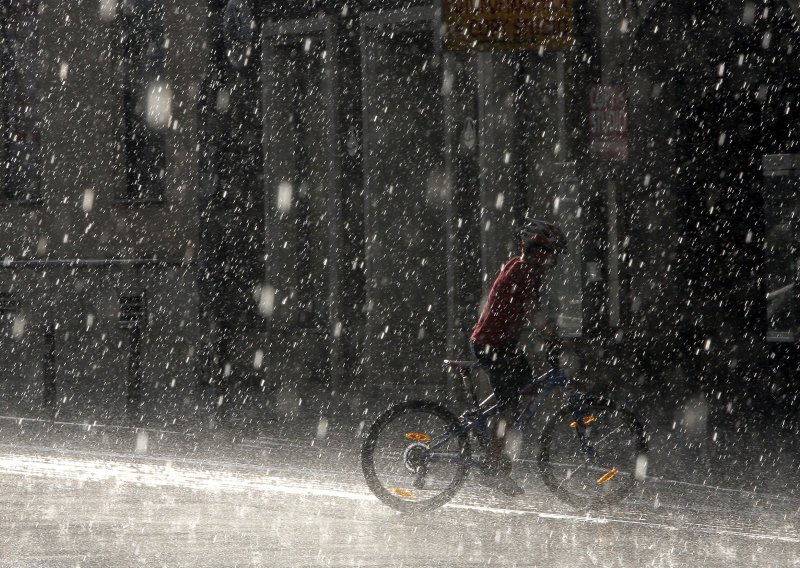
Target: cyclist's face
550,259
541,257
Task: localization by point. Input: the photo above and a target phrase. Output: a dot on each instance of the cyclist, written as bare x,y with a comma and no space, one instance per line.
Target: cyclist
514,297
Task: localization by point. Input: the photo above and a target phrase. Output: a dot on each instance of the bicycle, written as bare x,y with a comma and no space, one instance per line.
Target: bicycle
591,453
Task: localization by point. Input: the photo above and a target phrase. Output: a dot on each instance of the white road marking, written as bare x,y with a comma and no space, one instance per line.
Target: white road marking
159,475
151,475
86,426
612,520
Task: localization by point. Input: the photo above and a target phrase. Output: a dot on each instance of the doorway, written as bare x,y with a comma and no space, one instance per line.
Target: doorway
406,193
301,204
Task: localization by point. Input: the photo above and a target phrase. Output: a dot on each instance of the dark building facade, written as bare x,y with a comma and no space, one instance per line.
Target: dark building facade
434,156
254,206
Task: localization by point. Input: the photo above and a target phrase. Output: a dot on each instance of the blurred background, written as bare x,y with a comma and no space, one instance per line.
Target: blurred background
246,208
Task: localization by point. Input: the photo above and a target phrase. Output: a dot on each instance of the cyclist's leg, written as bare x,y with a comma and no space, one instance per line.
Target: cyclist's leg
509,371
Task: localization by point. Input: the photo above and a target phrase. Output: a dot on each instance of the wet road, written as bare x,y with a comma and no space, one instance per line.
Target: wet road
128,499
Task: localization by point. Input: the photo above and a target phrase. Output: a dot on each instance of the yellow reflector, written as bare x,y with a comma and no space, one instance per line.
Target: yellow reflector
418,437
607,477
586,420
402,493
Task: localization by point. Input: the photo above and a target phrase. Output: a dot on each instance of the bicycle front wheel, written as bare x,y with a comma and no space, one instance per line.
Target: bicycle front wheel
413,457
592,453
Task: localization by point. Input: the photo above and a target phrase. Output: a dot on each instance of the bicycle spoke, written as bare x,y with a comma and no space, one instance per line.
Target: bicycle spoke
587,471
591,458
400,464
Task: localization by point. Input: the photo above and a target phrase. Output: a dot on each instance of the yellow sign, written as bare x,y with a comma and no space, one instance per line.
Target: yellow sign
482,25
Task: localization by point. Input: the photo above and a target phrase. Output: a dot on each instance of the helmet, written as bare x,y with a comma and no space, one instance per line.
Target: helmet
536,232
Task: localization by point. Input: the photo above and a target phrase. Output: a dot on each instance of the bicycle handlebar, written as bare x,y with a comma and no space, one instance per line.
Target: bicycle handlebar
554,355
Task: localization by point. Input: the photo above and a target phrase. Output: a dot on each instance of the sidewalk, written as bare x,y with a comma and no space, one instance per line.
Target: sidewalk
691,440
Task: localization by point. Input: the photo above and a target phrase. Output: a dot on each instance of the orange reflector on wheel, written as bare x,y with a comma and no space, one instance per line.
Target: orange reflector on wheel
402,493
608,476
585,421
416,436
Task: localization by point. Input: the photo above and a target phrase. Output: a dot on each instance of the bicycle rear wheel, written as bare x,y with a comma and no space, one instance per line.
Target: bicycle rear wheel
593,453
411,458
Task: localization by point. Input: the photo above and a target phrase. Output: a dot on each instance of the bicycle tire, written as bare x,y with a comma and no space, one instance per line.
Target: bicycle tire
403,497
601,471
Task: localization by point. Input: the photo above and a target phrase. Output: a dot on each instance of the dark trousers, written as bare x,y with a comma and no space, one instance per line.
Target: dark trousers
509,372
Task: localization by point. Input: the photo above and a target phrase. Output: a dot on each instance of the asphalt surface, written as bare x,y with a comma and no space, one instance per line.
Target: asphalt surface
292,494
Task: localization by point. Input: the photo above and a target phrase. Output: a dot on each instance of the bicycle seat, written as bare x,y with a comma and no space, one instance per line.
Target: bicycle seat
461,365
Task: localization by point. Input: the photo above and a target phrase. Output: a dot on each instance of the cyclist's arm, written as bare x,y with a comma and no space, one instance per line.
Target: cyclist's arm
544,325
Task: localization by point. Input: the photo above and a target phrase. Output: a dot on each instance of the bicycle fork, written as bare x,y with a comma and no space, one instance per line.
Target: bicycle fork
580,423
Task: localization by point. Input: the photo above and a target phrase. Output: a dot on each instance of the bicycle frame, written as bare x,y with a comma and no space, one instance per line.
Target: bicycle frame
586,442
477,420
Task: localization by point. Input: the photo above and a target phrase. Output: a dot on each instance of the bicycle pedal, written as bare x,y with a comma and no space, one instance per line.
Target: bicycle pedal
585,421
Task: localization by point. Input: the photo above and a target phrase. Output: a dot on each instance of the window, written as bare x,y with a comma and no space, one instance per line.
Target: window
146,99
564,295
20,143
9,304
782,215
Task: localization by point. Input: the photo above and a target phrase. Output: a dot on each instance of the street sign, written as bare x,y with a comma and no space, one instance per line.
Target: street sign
608,122
781,268
483,25
469,134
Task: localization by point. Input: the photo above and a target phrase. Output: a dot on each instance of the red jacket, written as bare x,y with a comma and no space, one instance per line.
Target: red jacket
514,292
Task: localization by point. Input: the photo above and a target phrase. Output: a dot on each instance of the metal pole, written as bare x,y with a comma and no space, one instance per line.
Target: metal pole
49,392
334,210
613,255
134,366
561,91
367,46
449,69
485,140
222,370
609,56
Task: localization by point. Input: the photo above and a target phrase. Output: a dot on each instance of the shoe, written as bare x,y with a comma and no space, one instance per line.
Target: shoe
508,486
502,483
